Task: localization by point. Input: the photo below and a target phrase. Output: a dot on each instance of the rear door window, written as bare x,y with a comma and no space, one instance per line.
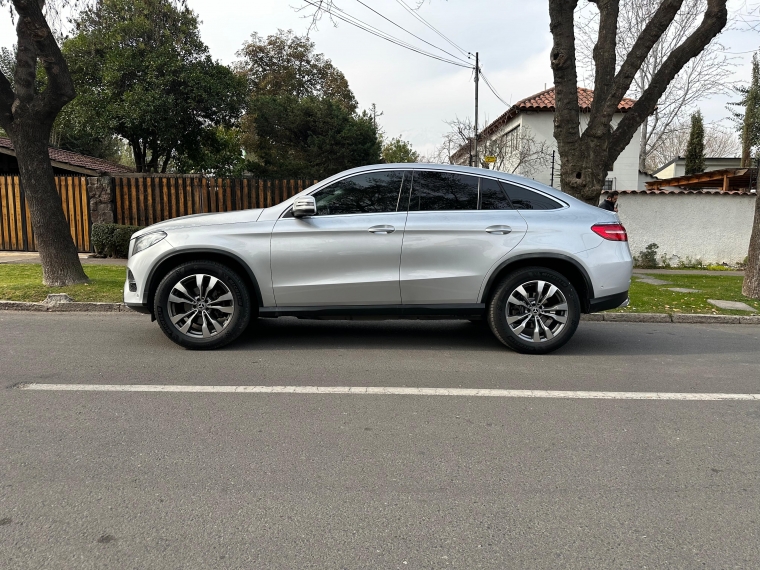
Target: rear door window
524,199
369,193
492,195
435,191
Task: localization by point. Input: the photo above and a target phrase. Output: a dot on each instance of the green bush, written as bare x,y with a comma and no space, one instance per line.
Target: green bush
112,240
647,259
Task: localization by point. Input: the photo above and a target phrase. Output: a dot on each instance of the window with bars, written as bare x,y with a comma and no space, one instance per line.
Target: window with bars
609,185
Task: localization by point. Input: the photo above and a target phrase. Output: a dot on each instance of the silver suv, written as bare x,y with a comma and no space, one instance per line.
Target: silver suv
392,241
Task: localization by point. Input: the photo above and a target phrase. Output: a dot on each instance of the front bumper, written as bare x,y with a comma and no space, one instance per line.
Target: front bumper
139,267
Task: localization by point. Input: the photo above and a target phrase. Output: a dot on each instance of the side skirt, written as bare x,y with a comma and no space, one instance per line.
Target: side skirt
379,312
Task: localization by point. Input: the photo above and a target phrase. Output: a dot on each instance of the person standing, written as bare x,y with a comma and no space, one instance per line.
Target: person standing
610,202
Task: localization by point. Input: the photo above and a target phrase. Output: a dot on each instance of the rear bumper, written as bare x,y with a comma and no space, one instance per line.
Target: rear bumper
608,302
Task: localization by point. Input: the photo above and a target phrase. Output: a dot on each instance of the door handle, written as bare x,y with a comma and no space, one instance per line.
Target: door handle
499,230
382,229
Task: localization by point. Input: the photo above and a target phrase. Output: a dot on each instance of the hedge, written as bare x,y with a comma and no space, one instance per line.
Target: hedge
112,240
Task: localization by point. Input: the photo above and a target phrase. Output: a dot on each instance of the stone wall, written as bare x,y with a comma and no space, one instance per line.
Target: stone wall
102,200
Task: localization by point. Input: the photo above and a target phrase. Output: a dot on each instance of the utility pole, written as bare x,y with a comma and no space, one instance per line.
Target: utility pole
477,76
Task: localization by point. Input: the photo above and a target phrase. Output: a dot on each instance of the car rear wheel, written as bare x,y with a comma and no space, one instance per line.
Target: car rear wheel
534,310
202,305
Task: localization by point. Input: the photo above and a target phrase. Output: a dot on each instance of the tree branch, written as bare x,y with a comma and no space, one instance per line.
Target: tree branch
567,114
634,60
713,22
6,102
36,41
605,52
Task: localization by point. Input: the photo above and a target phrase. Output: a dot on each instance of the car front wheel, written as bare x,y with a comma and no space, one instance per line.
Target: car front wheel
202,305
534,310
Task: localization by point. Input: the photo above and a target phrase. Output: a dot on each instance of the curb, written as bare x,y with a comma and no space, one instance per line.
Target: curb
672,318
66,307
73,307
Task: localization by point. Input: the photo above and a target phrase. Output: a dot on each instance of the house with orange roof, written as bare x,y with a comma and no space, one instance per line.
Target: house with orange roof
521,140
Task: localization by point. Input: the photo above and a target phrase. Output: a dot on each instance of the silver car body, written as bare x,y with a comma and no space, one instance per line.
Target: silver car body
395,260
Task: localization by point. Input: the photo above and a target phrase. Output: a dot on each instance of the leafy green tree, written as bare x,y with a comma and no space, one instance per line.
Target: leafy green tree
285,64
748,118
695,149
301,118
143,73
399,150
310,137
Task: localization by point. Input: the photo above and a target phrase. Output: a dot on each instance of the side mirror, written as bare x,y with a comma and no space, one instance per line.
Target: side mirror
305,206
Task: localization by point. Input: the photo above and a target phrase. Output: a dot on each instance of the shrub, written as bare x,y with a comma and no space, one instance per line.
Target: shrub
112,240
647,259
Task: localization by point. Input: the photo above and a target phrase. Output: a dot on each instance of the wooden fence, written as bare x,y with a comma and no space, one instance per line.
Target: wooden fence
145,200
16,233
139,200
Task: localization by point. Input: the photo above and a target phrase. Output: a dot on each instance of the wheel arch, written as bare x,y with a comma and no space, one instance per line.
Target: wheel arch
177,258
570,268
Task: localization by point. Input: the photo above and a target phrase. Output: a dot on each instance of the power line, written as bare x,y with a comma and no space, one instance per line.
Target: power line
491,87
424,21
383,35
410,33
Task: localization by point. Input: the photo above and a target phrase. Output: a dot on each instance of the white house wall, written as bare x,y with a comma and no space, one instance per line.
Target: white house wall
712,228
625,171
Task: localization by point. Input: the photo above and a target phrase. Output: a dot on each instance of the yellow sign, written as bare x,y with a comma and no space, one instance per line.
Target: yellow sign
489,159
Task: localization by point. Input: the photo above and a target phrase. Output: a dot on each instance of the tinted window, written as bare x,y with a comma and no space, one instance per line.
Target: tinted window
373,192
443,191
492,197
524,199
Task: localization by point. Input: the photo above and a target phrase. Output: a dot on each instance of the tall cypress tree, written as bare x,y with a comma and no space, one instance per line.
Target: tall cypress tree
748,118
695,150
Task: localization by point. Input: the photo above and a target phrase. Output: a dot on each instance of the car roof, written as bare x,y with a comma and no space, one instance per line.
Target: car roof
555,192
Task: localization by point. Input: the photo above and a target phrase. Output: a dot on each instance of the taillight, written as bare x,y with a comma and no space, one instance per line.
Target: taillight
612,232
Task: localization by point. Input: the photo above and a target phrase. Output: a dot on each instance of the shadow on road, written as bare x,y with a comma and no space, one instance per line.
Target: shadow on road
591,339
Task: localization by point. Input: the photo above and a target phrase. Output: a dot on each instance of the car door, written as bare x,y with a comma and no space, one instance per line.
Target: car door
349,252
458,226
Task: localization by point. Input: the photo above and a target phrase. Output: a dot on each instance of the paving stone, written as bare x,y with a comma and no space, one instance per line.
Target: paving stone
703,319
653,281
637,317
683,290
732,305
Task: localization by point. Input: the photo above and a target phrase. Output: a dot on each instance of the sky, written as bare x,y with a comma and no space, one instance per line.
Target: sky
416,94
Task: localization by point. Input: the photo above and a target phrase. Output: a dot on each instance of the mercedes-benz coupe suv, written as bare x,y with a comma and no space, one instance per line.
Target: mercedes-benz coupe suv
389,241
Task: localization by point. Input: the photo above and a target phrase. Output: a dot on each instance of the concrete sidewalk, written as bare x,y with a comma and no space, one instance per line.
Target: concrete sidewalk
34,257
687,272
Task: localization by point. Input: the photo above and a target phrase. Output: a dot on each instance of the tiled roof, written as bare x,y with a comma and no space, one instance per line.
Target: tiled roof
683,191
97,165
543,102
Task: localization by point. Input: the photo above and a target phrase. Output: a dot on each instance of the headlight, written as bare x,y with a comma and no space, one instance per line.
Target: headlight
144,242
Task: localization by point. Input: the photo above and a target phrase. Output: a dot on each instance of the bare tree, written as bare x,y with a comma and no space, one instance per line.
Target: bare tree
720,141
519,152
587,157
456,143
702,76
28,108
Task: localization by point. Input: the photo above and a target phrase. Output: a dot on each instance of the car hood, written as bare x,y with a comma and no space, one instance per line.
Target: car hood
203,220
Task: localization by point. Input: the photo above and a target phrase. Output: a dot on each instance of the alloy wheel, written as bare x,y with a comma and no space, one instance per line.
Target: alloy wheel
201,305
537,311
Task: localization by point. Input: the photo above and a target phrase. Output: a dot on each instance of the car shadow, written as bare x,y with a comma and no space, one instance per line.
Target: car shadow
591,339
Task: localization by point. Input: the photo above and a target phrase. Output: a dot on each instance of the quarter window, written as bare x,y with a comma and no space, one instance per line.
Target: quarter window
524,199
370,193
492,196
443,191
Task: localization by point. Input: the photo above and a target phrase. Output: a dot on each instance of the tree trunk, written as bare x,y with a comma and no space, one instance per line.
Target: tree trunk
58,253
643,146
751,285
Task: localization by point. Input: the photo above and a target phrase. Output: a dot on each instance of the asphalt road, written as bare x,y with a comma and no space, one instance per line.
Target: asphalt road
194,480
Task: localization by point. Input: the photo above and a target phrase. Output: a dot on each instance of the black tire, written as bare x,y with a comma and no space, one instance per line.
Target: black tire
526,313
222,313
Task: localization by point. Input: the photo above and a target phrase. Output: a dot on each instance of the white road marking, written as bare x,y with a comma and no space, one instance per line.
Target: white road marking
392,391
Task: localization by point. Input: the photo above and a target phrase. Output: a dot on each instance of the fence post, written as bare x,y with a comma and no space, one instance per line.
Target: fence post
102,195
